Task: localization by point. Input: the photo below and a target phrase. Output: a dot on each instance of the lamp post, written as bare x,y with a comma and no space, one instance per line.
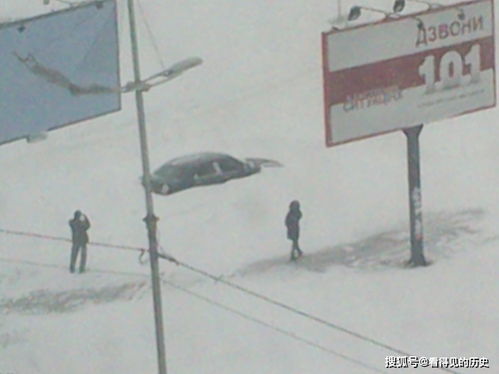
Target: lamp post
139,86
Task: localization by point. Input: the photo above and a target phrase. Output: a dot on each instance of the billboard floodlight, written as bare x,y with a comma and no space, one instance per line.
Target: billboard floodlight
356,11
461,15
420,23
398,6
431,5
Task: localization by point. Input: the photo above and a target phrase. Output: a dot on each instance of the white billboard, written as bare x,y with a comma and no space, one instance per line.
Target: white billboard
58,69
408,70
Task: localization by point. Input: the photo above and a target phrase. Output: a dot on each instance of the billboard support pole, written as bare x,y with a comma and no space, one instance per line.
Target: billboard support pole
150,219
415,207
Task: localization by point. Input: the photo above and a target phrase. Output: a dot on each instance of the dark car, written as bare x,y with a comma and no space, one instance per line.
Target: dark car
199,170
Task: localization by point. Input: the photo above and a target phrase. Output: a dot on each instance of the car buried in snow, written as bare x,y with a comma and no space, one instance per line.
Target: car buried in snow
202,169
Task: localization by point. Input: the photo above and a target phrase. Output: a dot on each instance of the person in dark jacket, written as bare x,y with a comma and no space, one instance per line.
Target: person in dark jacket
79,227
293,225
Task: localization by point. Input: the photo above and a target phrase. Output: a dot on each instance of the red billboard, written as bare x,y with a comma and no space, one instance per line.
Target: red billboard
408,70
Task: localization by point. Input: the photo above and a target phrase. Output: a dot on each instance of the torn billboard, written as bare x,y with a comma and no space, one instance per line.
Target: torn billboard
58,69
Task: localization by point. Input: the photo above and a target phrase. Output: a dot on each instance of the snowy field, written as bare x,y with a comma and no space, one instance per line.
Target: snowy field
258,94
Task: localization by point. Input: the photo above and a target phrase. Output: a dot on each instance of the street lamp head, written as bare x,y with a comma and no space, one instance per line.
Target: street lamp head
162,77
420,23
181,66
461,15
398,6
354,13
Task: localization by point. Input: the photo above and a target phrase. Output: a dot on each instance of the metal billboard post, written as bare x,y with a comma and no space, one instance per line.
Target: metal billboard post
150,219
415,206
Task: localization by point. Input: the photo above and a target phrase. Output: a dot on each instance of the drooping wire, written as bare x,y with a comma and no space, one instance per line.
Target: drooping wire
295,310
98,37
151,35
279,330
65,34
287,307
61,239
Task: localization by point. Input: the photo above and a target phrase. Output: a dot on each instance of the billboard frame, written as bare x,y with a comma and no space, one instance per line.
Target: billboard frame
329,141
95,3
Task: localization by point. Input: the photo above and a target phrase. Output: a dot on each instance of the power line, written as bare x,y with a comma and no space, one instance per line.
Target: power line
297,311
273,327
237,287
54,266
226,308
62,239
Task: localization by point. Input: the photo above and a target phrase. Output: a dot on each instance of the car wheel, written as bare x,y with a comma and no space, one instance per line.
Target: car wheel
165,189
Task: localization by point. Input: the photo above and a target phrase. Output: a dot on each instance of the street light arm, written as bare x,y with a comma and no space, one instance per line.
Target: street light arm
164,76
178,68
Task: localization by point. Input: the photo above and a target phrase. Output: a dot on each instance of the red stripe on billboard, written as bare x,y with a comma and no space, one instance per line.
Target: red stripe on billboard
402,72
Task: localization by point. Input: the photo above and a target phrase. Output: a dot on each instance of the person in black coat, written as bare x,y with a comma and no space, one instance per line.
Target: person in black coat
293,225
79,227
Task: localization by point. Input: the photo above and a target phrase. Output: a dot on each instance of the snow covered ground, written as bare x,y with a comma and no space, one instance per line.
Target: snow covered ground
258,94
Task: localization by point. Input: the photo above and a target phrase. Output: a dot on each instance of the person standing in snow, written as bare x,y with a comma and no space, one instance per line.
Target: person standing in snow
293,225
79,227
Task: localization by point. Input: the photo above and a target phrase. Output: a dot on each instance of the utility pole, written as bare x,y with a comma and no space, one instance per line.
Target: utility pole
415,207
150,219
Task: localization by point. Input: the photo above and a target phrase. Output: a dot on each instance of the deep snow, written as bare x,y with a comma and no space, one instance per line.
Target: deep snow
257,94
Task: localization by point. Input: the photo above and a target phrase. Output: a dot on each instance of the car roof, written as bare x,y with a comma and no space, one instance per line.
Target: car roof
197,158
